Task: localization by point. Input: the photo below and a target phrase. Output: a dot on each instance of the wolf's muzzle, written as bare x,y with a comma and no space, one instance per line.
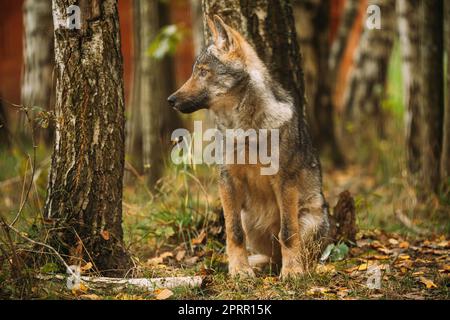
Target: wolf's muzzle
172,99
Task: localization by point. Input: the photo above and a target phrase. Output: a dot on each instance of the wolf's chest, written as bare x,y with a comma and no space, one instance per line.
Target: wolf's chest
257,189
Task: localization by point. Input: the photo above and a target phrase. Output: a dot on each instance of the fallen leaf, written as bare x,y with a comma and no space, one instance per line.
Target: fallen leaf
418,273
155,261
404,257
105,234
325,268
180,255
90,297
200,238
444,244
316,291
343,292
404,245
165,255
79,289
126,296
428,283
379,257
393,241
86,267
445,269
192,260
163,294
351,269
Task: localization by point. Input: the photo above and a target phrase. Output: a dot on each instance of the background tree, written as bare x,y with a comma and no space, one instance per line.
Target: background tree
37,75
408,17
432,98
85,185
313,29
151,120
4,133
445,158
366,88
339,44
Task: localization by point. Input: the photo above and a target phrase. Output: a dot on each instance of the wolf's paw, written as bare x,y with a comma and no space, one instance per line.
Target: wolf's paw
241,271
291,272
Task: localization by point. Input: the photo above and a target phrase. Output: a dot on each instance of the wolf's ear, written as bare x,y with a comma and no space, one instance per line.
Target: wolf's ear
223,36
212,28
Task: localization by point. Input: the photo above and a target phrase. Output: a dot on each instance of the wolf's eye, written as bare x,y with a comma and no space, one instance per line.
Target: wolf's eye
203,72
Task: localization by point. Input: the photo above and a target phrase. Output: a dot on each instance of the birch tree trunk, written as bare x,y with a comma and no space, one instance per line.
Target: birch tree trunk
408,17
313,29
38,57
366,88
85,185
432,103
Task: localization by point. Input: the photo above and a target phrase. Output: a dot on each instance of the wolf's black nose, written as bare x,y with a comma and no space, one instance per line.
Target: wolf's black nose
171,100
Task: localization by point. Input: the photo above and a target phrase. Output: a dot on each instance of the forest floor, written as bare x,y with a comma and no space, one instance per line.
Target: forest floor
402,249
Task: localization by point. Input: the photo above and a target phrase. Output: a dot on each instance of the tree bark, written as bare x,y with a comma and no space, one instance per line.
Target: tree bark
85,185
366,88
37,75
408,18
313,29
432,103
445,157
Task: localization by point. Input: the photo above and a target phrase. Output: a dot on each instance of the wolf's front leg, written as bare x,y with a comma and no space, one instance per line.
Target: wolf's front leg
232,199
288,199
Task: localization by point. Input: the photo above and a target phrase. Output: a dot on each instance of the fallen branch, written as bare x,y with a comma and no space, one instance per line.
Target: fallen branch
403,219
145,283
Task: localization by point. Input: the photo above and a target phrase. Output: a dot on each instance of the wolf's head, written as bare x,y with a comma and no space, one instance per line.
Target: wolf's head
219,74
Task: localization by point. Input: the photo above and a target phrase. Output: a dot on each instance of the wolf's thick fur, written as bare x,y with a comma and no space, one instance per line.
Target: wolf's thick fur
283,216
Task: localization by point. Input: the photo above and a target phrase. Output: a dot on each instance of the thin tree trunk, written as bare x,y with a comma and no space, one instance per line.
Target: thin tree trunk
133,125
313,30
151,120
408,19
197,25
340,43
4,132
151,96
366,88
85,185
38,57
445,157
432,95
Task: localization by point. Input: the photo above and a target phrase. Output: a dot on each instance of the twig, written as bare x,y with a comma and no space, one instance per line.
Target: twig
20,234
408,223
33,162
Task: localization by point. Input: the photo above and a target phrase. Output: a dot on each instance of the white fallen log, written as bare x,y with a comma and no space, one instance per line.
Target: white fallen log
145,283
